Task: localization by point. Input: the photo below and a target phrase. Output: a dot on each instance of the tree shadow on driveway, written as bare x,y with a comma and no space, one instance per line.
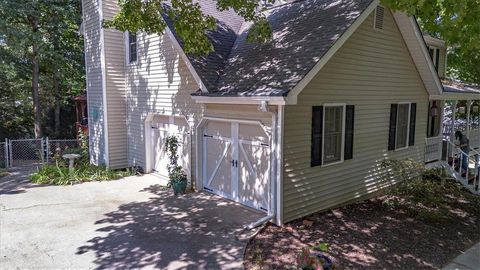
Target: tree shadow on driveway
17,181
193,231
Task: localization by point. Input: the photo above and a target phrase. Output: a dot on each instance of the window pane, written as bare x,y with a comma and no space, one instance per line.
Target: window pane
402,125
132,47
333,134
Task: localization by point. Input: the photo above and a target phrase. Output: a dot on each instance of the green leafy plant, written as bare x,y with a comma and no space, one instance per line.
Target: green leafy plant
59,174
306,261
176,173
322,247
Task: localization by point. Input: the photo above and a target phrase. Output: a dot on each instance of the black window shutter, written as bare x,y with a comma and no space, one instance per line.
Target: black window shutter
393,126
349,123
437,59
317,133
413,116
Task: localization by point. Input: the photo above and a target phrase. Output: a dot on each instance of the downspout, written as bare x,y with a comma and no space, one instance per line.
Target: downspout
275,160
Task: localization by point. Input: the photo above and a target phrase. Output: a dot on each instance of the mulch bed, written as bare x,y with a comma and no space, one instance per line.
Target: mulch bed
372,235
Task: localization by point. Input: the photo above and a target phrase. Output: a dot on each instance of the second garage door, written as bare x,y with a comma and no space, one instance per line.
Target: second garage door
237,162
161,127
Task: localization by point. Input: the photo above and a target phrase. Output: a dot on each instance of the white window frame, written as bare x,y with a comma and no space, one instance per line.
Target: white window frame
127,49
436,62
342,149
407,140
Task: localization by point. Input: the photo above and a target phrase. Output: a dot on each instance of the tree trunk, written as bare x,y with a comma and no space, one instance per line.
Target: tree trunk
56,86
35,82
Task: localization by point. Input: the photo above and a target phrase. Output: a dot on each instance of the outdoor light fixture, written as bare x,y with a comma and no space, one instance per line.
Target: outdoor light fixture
475,108
434,109
461,110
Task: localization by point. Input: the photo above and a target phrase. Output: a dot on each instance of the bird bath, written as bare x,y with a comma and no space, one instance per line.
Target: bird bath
71,160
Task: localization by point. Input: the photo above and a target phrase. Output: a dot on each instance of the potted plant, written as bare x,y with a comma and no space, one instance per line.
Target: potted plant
308,260
177,177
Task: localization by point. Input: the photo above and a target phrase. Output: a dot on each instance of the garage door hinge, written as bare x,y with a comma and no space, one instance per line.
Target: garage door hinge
264,144
211,190
264,209
209,136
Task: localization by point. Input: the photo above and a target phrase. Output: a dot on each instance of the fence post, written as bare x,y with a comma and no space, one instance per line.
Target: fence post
10,154
47,152
6,157
42,146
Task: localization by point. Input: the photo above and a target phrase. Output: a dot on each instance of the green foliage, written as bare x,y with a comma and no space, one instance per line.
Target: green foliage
59,174
3,172
402,170
322,247
456,22
51,27
427,195
175,171
189,22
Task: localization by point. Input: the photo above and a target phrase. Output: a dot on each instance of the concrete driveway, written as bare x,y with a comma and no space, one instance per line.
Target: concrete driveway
123,224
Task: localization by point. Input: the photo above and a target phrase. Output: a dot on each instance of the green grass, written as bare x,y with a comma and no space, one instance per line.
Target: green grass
59,174
3,172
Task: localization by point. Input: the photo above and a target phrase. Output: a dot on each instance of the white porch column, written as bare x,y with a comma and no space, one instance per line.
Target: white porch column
469,104
452,131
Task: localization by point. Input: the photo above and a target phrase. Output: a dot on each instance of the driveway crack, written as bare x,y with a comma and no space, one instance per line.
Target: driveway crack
33,206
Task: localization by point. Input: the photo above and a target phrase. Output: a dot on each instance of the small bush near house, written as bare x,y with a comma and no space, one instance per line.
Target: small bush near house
59,174
3,172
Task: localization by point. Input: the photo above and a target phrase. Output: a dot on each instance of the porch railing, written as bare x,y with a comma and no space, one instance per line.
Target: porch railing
455,159
433,149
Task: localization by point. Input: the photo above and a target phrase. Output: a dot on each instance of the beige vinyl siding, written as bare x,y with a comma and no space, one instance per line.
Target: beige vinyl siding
93,54
442,63
115,90
159,82
372,70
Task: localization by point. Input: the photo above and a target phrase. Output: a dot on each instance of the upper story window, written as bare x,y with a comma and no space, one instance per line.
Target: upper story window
132,47
435,55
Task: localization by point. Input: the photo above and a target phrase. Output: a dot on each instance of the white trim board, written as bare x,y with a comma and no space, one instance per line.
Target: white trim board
104,82
293,94
240,100
182,54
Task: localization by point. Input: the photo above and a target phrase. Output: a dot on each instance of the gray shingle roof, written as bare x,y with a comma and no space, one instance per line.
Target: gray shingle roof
303,31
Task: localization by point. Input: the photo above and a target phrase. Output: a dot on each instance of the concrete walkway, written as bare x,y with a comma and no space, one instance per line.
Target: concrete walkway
125,224
469,260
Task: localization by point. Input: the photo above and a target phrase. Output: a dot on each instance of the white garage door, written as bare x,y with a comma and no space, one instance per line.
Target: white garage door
162,127
237,162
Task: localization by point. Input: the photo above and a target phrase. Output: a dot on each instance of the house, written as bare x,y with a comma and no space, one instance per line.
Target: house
290,127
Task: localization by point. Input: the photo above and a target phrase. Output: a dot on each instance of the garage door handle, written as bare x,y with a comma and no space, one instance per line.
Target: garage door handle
236,164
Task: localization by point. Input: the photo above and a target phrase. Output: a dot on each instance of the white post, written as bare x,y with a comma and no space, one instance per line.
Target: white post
452,125
6,153
469,104
440,131
47,152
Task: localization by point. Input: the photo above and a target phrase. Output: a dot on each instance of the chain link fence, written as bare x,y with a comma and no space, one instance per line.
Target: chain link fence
3,155
35,152
55,149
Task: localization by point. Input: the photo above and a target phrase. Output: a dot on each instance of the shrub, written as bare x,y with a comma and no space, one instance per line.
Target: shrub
59,174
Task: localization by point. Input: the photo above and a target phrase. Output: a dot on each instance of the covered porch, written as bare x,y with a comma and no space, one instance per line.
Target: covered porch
456,109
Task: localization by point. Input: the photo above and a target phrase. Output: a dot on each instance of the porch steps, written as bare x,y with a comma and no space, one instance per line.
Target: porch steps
469,184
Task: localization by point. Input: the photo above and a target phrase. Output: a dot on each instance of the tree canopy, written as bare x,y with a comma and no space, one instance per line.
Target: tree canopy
455,21
41,66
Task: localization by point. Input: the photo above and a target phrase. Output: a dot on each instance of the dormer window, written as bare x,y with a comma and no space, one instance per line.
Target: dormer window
131,47
435,55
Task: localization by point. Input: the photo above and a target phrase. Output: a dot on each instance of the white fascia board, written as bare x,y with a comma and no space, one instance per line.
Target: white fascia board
292,96
455,96
104,82
187,61
239,100
434,41
419,52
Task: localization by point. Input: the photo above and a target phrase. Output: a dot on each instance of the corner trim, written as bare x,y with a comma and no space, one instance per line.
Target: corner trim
292,96
104,82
